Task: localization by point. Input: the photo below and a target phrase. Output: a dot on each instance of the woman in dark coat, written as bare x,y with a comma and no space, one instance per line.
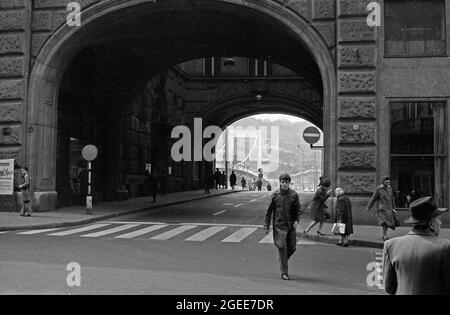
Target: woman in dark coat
317,207
344,215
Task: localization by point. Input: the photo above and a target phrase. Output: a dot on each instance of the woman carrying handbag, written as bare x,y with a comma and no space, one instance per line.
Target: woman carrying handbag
344,216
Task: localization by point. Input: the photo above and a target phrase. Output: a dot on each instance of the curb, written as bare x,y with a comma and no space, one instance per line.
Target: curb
106,216
330,240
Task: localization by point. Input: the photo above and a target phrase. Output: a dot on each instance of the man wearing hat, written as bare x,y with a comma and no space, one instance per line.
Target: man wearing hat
285,209
418,263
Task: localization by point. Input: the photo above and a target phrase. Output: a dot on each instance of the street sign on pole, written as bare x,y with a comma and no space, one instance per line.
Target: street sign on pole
89,153
311,135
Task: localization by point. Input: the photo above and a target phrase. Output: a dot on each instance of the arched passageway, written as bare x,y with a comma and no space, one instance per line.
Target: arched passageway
95,75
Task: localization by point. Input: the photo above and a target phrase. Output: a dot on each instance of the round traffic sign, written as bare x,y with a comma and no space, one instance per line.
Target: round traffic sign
311,135
89,152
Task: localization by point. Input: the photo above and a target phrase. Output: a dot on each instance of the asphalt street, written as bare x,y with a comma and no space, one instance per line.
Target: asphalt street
211,246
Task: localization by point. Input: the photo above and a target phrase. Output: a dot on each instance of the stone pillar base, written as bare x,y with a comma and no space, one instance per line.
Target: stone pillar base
45,201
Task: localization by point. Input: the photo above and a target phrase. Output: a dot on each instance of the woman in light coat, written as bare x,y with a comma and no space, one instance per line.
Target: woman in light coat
344,215
384,198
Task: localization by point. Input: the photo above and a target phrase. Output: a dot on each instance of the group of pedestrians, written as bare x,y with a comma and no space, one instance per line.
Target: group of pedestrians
417,263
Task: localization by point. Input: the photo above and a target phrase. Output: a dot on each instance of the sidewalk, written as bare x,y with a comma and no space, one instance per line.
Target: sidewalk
76,215
363,235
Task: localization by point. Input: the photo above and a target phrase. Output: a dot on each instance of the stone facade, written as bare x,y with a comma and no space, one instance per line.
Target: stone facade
362,85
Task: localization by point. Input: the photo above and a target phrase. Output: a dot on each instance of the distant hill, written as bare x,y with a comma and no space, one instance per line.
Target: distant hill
292,158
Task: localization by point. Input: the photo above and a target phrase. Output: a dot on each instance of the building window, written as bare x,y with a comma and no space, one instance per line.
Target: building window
415,27
418,151
260,68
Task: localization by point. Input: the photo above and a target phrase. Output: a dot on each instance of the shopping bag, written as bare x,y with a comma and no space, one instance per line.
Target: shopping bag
338,228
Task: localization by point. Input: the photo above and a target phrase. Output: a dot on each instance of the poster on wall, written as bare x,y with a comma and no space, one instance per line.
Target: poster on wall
6,177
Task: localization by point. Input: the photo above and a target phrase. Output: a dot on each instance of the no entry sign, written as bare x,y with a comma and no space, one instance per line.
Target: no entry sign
311,135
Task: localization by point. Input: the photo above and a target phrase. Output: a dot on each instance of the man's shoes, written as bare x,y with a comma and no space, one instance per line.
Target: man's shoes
339,244
345,245
28,215
22,215
305,234
320,233
284,276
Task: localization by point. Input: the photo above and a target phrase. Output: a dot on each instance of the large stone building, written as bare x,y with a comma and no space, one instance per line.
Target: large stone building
380,93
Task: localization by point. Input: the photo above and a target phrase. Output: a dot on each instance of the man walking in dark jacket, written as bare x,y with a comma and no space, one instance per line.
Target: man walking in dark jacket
284,210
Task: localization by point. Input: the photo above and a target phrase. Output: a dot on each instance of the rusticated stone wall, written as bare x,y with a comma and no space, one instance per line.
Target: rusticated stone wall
14,54
357,127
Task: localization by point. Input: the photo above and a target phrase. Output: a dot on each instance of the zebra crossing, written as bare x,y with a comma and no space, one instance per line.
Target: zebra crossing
158,231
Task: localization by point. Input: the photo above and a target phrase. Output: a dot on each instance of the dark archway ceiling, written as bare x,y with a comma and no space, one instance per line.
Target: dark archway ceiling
133,44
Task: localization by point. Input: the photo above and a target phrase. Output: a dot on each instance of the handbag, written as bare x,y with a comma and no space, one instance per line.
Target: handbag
396,220
338,228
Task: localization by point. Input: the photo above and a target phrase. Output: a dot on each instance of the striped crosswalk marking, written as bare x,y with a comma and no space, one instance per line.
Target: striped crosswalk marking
239,235
38,231
303,242
169,234
203,235
111,231
79,230
268,239
238,205
142,231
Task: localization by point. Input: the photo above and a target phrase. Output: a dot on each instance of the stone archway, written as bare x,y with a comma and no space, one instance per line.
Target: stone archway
62,46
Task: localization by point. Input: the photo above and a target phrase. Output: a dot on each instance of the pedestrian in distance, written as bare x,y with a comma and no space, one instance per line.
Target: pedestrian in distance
344,215
153,184
269,187
233,180
317,207
384,199
217,177
284,210
25,189
418,263
223,180
243,183
208,181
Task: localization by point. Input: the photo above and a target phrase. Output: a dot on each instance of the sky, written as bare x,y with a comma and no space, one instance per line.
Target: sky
278,116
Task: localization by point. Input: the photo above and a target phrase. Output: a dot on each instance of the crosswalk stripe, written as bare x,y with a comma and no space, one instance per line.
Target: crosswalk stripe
268,239
303,242
111,231
79,230
173,232
142,231
239,235
38,231
203,235
238,205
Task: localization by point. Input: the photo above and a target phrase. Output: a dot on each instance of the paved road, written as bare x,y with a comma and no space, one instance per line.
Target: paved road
212,246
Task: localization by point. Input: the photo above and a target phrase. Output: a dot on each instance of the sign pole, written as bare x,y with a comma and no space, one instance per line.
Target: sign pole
89,153
89,194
